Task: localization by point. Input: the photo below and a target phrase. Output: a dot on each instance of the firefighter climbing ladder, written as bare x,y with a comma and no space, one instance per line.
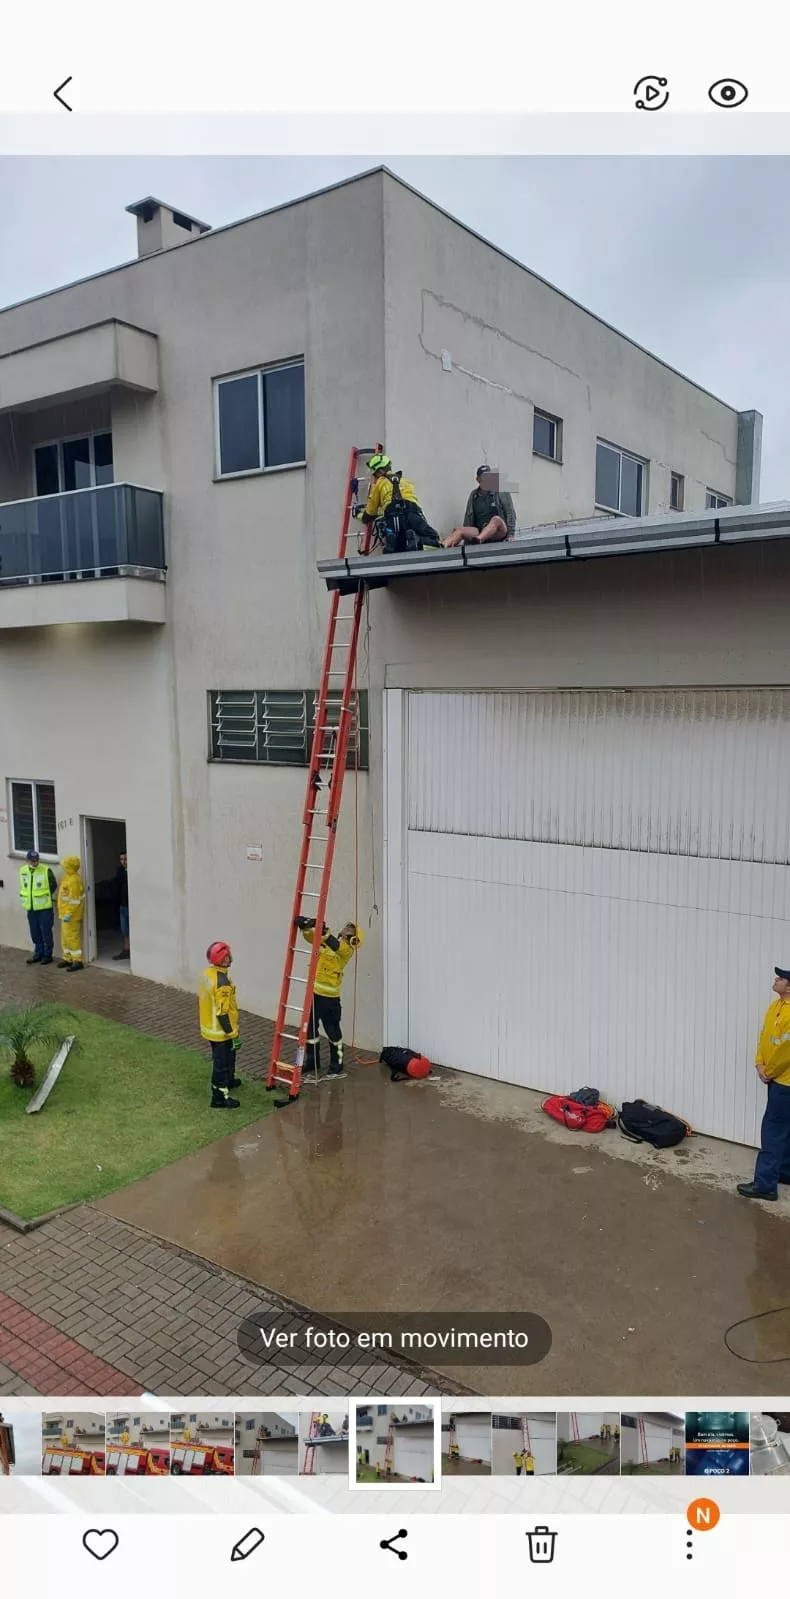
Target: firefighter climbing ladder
322,808
308,1465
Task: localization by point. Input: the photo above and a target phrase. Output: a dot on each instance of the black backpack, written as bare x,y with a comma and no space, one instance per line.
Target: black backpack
405,527
649,1124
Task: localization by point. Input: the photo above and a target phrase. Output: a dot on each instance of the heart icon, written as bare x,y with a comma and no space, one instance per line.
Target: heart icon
100,1544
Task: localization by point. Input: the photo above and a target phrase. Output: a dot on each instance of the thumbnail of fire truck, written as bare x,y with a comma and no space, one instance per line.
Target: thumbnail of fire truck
201,1460
59,1461
128,1460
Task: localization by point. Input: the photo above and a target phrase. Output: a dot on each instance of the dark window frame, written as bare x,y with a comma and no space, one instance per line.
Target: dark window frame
261,373
714,501
36,840
274,727
556,423
677,478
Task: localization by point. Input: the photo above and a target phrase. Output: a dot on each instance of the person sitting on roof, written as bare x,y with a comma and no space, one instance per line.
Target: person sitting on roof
392,501
489,517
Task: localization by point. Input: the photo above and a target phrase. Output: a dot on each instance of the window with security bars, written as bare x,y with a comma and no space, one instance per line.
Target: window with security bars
33,818
274,727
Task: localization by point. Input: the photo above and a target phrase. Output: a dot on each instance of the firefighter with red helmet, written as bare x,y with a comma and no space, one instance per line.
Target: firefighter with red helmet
219,1024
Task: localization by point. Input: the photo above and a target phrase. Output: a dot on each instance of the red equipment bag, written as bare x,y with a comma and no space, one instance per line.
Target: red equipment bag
579,1118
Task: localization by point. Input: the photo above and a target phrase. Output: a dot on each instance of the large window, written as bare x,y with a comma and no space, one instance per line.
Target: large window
714,501
547,436
619,480
33,819
260,420
274,727
68,464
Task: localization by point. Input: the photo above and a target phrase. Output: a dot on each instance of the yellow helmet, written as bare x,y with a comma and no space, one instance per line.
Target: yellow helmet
380,463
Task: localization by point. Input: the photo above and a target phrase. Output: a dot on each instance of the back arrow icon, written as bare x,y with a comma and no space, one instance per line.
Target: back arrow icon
56,92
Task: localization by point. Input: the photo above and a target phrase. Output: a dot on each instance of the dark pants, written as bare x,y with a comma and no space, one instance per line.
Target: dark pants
325,1013
222,1065
42,932
406,528
773,1161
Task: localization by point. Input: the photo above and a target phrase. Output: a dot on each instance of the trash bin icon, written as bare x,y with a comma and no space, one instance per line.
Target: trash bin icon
541,1546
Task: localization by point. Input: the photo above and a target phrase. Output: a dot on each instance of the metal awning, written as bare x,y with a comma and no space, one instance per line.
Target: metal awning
593,539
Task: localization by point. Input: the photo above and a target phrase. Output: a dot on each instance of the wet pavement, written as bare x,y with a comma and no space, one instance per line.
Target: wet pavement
459,1195
372,1196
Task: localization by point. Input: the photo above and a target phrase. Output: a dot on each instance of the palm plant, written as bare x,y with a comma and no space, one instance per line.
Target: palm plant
24,1028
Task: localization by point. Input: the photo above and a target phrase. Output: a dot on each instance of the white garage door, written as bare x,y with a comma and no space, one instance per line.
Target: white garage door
596,889
658,1441
281,1460
412,1455
543,1438
473,1436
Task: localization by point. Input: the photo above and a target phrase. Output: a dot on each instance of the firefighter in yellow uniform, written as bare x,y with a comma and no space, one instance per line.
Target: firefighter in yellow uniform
336,952
518,1461
529,1464
772,1062
219,1024
394,499
71,911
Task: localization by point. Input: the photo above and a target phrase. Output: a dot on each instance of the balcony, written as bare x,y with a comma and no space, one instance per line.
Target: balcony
93,360
93,555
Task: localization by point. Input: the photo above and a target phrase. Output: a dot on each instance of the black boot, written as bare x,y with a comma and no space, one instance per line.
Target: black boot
76,966
34,960
749,1191
47,961
223,1101
63,965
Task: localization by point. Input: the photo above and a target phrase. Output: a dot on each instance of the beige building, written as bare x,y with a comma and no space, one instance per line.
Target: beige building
267,1444
146,1431
174,437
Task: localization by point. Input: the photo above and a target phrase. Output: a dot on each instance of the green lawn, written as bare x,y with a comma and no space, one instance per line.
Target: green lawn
586,1459
122,1107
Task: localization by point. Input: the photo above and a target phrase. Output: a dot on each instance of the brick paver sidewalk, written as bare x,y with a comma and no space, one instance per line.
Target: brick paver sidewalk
90,1305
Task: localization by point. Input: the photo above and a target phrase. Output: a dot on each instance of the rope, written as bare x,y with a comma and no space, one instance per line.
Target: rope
360,1059
776,1360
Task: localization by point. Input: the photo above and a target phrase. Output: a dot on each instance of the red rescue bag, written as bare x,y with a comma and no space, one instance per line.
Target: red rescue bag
579,1118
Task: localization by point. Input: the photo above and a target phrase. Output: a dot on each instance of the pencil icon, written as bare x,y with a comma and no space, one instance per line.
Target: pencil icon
247,1545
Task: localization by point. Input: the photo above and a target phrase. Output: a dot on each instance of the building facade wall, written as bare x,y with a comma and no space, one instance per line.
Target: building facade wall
245,608
370,284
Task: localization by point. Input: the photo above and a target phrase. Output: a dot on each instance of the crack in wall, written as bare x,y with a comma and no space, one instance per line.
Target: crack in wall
485,327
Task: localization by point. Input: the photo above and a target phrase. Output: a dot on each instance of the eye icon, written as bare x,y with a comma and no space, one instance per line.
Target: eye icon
728,93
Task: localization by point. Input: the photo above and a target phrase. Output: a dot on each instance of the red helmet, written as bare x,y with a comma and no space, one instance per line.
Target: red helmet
218,954
419,1067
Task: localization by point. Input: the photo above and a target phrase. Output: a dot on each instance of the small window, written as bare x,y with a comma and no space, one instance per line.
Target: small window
714,501
677,491
274,727
33,820
619,480
547,436
260,420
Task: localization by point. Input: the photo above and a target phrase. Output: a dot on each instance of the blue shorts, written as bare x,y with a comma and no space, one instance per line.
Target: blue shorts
124,914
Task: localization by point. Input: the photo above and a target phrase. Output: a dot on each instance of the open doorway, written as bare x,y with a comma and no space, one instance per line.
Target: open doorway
105,843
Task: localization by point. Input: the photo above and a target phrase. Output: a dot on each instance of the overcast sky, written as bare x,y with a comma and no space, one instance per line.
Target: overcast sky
689,256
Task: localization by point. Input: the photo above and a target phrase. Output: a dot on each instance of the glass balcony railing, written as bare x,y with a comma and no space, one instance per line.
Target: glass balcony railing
113,531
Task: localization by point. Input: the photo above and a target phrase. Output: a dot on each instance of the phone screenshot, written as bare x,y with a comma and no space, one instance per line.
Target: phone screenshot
394,801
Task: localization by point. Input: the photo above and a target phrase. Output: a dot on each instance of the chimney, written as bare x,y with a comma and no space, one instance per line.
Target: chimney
159,227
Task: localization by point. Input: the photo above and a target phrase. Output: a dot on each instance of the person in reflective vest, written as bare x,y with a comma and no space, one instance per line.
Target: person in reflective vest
37,889
219,1024
518,1461
71,911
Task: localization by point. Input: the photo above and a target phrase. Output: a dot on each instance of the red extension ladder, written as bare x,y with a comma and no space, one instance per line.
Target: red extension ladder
322,807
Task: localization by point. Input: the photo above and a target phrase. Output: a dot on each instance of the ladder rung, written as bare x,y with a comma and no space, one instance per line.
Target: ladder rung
314,866
298,980
300,1008
292,1037
310,893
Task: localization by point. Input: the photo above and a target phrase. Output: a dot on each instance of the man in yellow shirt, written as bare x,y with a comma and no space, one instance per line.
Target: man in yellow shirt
336,952
393,498
219,1024
773,1068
